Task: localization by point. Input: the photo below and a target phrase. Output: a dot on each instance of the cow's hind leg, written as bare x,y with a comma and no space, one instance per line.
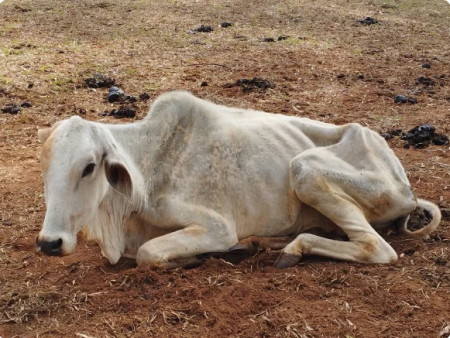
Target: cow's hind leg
332,186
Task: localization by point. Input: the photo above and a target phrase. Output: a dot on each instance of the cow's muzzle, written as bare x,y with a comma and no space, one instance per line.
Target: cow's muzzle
51,248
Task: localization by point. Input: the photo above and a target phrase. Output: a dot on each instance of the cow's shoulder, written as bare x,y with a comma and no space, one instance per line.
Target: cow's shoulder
184,105
177,105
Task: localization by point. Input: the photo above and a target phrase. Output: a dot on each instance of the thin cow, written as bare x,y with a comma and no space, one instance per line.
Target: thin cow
194,178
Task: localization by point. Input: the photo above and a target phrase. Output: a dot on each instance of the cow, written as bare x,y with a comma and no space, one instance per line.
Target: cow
194,178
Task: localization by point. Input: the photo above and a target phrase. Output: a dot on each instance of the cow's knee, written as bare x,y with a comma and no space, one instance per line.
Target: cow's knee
307,180
300,167
147,257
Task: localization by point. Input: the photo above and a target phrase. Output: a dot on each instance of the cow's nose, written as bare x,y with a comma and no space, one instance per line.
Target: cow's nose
51,248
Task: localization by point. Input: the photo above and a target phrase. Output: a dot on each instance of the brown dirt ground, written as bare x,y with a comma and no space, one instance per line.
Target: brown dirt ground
54,45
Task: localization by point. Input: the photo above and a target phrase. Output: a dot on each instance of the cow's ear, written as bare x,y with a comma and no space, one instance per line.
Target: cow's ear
44,134
119,177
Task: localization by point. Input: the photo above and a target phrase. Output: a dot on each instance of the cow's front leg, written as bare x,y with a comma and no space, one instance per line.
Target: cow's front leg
208,233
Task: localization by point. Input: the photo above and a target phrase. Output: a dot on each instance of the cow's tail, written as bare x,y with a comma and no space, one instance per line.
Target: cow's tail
435,213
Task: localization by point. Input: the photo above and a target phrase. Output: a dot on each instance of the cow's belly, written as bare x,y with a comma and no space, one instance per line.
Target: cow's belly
300,219
266,219
263,203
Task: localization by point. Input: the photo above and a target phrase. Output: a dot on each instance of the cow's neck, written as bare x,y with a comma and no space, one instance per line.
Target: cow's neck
145,145
138,141
112,226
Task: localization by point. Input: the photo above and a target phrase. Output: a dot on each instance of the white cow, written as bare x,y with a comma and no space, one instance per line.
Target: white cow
194,177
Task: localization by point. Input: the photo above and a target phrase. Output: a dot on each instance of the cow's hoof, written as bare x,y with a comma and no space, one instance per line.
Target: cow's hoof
285,260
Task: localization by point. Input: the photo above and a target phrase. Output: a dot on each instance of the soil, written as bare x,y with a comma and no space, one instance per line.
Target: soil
143,45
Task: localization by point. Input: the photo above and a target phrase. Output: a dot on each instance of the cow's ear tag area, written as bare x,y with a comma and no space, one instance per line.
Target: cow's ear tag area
119,178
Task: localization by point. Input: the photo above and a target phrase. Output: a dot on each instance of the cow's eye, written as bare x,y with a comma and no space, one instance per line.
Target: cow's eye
88,170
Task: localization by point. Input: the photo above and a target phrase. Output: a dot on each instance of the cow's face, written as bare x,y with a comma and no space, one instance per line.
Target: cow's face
78,165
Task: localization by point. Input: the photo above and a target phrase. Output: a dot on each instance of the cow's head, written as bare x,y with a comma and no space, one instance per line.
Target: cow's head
79,161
